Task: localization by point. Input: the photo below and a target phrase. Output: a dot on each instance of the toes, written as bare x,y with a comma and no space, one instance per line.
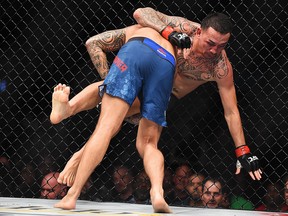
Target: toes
64,181
58,87
60,179
69,183
67,90
62,87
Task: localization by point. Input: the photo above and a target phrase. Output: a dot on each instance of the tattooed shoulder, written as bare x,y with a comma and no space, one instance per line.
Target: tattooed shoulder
111,40
221,69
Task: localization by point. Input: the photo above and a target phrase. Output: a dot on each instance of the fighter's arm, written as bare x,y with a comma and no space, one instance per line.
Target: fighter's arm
231,112
149,17
98,45
229,101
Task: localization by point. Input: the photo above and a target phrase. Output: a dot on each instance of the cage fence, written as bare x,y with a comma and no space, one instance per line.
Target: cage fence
43,44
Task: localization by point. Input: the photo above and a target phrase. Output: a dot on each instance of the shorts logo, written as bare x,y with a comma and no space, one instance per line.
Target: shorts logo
161,51
120,64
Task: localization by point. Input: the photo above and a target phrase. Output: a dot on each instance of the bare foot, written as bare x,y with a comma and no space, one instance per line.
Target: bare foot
159,204
68,202
60,105
67,176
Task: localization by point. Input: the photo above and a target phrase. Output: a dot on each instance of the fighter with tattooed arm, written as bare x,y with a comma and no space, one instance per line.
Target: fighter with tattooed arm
204,61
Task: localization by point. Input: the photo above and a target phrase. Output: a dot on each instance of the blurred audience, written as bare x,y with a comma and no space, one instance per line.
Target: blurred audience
27,185
90,192
180,181
123,184
212,195
181,188
50,188
6,177
226,200
272,200
5,162
46,165
168,185
284,207
239,202
142,188
194,189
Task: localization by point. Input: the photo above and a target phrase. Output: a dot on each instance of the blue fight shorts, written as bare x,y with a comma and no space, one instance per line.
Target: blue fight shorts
142,68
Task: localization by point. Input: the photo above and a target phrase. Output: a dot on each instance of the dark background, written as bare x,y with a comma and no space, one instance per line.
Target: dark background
42,44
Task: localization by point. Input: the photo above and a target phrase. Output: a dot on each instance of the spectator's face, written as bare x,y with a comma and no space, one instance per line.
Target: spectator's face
273,198
142,186
181,178
195,186
122,179
211,43
212,195
286,193
142,181
50,189
225,201
273,191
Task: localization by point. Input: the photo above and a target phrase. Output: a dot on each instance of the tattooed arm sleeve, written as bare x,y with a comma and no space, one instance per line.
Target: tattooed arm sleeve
98,45
149,17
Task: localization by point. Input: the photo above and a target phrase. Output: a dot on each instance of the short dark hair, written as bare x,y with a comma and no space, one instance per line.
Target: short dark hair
214,180
219,22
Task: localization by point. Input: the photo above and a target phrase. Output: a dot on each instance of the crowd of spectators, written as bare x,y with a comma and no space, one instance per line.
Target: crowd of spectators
182,187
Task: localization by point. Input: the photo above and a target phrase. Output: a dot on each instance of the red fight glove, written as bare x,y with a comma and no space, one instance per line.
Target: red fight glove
180,40
245,159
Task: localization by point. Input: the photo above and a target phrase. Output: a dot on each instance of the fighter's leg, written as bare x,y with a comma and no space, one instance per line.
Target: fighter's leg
146,143
67,175
87,99
63,108
134,109
108,124
60,103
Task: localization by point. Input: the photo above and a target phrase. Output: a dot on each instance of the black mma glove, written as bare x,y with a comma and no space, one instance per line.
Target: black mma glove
245,159
181,40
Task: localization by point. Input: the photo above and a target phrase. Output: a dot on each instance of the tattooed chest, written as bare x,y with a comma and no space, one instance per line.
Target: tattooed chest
201,69
196,72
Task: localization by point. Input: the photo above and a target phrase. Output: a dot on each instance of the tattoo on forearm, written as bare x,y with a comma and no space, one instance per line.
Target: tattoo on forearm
110,40
104,42
183,26
151,19
158,21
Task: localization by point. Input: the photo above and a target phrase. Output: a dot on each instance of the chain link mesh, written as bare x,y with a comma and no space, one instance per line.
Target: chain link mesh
42,44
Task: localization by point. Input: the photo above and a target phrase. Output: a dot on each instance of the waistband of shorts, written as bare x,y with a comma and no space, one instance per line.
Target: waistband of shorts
156,47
